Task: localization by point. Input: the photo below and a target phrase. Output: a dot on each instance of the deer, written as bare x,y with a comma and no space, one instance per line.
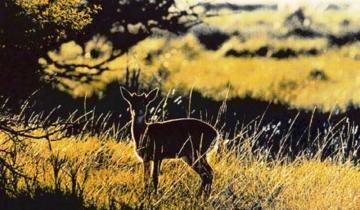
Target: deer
188,139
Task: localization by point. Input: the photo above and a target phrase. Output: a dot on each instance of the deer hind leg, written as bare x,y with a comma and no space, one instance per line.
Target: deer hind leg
155,175
206,175
202,167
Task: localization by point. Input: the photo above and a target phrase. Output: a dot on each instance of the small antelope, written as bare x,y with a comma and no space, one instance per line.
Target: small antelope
186,138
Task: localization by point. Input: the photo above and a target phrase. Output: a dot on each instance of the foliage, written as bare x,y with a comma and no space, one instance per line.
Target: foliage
30,29
15,131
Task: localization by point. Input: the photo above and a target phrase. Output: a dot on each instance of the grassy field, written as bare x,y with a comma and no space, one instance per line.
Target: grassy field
326,77
107,175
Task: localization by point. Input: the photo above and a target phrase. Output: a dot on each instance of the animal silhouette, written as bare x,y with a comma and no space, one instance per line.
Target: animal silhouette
185,138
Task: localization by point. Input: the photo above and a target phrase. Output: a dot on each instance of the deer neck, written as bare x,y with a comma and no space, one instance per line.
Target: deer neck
138,127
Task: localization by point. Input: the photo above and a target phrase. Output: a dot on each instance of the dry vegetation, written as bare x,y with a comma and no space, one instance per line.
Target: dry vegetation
106,174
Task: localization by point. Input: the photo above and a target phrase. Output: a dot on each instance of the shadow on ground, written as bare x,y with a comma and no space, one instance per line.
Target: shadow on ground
44,199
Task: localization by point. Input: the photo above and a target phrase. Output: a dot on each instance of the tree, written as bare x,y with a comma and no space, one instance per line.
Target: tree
30,29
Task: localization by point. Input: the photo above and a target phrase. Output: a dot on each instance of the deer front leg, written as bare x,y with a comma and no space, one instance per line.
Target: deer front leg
155,175
146,175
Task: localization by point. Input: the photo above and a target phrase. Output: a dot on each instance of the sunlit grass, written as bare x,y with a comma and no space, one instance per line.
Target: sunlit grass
265,21
109,174
187,65
285,80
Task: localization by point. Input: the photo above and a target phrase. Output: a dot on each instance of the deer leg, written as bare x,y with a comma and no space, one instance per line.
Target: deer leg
205,172
146,175
202,167
155,175
209,177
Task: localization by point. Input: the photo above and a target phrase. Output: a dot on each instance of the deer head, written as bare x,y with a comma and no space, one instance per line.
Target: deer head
139,103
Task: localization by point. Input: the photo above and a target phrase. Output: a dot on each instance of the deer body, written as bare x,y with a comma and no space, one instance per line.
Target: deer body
172,139
189,139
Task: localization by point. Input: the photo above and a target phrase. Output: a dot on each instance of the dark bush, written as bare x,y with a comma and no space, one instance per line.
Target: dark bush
45,199
284,53
235,53
318,74
262,51
304,33
212,38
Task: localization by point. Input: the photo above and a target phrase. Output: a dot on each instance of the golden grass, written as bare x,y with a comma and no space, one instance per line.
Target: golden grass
265,78
265,21
109,174
286,80
189,65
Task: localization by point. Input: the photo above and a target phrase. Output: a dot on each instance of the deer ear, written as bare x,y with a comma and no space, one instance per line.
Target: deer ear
151,96
126,94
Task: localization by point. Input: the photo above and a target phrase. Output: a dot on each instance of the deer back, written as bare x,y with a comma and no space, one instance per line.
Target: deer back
180,137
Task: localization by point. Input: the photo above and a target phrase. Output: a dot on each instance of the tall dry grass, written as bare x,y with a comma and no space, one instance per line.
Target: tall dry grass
107,174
